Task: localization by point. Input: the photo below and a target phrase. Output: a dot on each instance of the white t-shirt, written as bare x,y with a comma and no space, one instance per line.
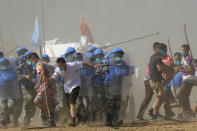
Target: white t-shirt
186,61
71,76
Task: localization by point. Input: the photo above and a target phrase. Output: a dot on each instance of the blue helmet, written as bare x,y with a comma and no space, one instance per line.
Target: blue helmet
90,55
117,52
46,58
45,55
70,50
21,50
4,62
22,58
91,48
27,53
98,52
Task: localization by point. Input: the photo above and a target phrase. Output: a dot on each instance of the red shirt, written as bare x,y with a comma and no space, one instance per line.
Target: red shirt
167,60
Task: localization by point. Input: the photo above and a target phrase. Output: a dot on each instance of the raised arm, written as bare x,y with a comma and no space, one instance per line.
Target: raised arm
54,77
163,67
87,64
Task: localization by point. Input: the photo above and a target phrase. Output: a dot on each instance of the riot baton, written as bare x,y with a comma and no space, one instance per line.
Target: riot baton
173,73
45,91
186,37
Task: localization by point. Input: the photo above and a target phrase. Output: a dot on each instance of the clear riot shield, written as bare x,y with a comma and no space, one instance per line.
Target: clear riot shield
9,86
124,74
128,91
85,94
86,74
127,108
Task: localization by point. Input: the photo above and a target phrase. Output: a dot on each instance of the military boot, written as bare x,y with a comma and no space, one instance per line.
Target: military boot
73,122
44,119
108,120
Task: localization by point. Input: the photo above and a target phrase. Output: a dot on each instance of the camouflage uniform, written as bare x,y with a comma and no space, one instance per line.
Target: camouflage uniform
9,95
15,64
59,101
113,96
28,91
98,95
4,113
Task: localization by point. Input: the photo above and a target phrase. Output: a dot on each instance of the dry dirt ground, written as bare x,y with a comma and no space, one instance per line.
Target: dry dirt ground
128,126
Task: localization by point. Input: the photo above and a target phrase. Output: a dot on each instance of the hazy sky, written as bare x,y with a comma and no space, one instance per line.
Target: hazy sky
109,21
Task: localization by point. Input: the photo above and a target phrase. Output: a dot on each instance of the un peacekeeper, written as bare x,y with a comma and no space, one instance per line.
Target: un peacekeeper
4,114
90,105
18,63
68,54
27,76
98,96
19,52
113,92
108,59
9,94
82,100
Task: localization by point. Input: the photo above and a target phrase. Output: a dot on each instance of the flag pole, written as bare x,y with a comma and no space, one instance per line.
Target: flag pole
43,25
187,40
174,90
1,40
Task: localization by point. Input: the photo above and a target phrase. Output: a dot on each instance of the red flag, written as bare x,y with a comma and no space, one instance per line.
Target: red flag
85,32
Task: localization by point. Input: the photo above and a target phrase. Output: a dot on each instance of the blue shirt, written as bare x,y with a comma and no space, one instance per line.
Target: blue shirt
177,80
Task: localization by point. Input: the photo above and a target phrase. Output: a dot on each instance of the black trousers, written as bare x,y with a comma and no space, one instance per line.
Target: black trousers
112,108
